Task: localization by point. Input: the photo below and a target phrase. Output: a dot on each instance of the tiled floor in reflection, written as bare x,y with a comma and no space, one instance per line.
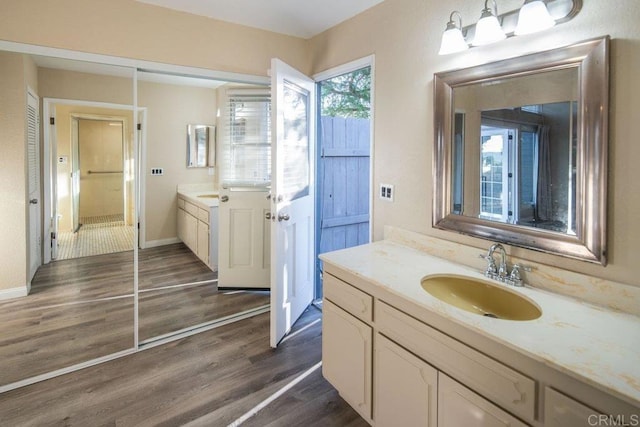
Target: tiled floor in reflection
97,235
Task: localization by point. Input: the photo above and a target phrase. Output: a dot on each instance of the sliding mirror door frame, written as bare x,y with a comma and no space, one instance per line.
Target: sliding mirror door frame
138,166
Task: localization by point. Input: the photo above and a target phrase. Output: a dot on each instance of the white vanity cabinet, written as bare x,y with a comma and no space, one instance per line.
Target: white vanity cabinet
561,411
197,228
398,370
347,355
421,376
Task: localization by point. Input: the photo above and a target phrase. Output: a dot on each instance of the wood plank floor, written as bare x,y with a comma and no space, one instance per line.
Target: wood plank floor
81,309
209,379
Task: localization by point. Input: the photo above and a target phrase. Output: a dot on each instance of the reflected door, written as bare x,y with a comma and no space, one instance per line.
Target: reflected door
292,229
35,234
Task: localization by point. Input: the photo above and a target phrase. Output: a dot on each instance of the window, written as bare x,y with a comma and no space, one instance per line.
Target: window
247,143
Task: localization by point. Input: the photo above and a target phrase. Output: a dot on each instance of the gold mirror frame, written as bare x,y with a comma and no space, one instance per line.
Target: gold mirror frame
591,58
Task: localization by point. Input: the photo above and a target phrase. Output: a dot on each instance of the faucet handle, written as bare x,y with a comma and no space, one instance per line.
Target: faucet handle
515,277
492,269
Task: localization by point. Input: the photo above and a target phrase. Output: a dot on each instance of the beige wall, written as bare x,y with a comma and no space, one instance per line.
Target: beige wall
404,35
63,84
170,109
13,191
131,29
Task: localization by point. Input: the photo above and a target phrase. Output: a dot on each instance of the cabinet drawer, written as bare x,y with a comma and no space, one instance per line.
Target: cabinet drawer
349,298
459,406
191,208
203,215
563,411
181,203
493,380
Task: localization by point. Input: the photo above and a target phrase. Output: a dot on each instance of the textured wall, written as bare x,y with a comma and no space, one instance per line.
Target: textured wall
405,35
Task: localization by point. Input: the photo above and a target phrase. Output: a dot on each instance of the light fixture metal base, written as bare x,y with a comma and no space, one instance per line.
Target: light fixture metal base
560,10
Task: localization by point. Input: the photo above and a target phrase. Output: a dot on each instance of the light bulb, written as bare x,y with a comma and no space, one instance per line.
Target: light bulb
452,39
488,30
533,17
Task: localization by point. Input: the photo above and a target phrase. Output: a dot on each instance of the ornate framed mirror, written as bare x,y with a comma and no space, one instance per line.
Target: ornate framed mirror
520,150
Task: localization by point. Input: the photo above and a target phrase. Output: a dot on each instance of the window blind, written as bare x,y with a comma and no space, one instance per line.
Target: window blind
247,142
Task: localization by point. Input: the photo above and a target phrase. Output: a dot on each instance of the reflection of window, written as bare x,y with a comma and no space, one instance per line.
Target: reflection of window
494,198
509,172
248,142
295,143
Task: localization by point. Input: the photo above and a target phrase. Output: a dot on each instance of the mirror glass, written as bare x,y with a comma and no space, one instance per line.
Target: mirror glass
178,260
76,303
522,168
201,146
520,151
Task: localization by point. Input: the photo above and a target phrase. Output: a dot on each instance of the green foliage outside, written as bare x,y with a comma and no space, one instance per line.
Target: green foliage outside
348,95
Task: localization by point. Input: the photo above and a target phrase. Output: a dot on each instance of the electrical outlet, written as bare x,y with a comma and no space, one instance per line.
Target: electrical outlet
386,192
157,171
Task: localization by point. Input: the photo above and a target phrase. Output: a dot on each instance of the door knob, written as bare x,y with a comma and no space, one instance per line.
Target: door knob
284,217
224,199
33,201
267,215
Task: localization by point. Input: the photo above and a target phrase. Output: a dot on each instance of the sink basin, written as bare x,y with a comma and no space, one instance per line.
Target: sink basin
209,196
481,297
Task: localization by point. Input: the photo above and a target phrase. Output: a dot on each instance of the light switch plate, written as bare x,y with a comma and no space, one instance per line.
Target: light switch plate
157,171
386,192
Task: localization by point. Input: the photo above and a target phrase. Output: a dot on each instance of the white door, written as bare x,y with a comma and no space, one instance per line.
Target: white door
244,239
292,229
33,151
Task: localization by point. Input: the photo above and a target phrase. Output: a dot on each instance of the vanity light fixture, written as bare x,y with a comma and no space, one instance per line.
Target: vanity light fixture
488,28
533,17
452,39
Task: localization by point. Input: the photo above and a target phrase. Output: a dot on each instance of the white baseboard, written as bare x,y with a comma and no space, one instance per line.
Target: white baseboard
161,242
20,291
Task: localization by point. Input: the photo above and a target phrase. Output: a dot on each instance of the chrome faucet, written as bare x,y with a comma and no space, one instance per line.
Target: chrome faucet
501,273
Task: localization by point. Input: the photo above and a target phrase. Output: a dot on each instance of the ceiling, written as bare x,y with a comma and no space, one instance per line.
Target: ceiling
300,18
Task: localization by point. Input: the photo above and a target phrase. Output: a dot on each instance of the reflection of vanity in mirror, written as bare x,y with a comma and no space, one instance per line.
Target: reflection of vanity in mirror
520,151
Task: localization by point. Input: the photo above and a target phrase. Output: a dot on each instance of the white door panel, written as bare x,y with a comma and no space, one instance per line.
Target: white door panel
292,226
244,239
33,154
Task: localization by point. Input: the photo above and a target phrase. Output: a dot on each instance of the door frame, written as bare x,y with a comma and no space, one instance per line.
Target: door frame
50,156
357,64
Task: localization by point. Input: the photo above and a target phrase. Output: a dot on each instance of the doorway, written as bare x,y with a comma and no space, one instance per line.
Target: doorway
343,201
93,197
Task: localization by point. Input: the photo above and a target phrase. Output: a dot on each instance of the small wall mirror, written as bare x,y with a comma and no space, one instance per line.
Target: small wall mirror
520,151
201,146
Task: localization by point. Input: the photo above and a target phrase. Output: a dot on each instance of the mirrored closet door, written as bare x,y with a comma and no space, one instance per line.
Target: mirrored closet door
79,143
178,260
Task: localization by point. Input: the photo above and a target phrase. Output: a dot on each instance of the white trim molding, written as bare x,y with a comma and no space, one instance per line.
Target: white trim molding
161,242
17,292
367,61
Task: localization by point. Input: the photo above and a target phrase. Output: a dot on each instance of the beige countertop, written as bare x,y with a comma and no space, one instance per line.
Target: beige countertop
195,197
595,345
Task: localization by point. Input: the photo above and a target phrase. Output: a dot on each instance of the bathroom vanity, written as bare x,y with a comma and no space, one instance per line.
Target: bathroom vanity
198,224
400,356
